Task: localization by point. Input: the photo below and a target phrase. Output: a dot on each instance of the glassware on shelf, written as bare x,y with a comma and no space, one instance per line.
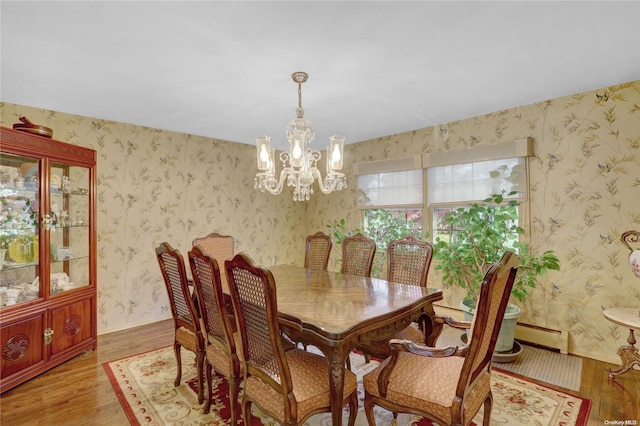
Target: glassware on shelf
66,185
79,219
11,296
18,181
56,183
23,249
64,219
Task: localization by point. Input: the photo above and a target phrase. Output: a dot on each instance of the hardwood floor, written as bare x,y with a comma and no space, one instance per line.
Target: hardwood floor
78,392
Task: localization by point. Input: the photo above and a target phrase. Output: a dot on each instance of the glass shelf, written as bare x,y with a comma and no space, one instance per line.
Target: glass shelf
8,265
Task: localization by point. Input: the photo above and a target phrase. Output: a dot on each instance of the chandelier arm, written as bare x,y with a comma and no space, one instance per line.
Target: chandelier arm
330,182
268,182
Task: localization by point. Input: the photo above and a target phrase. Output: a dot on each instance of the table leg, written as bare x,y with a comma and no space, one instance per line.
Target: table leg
336,360
629,356
430,327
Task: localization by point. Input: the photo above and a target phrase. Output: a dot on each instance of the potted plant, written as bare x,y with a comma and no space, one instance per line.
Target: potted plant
482,233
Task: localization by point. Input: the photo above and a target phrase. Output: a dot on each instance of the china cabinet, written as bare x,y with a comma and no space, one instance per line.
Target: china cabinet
47,254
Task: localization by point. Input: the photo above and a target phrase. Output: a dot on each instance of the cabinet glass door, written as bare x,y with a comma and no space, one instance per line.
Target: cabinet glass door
19,237
69,228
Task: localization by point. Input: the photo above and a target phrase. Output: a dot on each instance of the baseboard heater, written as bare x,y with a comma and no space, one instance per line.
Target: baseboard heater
540,336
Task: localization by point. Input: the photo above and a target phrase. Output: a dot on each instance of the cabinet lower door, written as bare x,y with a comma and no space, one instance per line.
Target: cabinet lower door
22,349
71,325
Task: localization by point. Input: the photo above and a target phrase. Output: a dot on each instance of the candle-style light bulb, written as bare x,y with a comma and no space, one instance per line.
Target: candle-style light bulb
336,156
264,155
297,151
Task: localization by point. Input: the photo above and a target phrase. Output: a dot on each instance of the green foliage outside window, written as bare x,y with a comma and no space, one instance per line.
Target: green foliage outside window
383,226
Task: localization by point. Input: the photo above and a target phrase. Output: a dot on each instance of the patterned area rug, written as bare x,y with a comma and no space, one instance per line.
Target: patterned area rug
144,385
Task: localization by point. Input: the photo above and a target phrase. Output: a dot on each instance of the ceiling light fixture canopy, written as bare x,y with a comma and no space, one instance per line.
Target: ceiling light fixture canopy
299,165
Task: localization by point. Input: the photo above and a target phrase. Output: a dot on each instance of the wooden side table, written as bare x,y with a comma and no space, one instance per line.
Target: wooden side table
629,318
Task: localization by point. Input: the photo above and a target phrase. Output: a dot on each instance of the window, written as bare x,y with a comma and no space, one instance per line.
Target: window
391,194
454,186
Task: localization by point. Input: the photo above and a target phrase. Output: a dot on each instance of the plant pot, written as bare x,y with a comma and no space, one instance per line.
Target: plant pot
501,357
507,329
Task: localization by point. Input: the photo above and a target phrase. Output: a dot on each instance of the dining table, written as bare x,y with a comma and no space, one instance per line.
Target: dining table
335,312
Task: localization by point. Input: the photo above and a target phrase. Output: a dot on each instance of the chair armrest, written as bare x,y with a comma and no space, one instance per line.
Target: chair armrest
462,325
432,326
422,350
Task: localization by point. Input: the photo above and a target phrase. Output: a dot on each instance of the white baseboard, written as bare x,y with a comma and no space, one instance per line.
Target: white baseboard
128,326
555,339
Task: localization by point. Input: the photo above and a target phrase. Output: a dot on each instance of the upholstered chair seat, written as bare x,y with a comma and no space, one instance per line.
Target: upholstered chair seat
187,338
310,380
219,357
434,395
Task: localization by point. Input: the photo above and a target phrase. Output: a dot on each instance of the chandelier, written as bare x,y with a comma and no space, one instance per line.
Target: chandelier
299,165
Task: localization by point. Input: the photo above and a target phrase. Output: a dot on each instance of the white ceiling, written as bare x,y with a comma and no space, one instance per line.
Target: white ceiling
222,69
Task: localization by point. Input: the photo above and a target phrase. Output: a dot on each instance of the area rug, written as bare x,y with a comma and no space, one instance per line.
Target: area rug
547,366
144,386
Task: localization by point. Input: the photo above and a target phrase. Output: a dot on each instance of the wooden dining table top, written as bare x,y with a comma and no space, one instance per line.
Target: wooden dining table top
336,304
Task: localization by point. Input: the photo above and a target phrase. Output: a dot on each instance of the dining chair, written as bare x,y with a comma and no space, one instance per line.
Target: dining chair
357,255
448,385
317,251
221,341
408,263
221,247
188,332
288,385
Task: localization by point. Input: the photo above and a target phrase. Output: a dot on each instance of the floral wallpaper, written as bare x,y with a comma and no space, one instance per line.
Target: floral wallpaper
585,192
155,185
